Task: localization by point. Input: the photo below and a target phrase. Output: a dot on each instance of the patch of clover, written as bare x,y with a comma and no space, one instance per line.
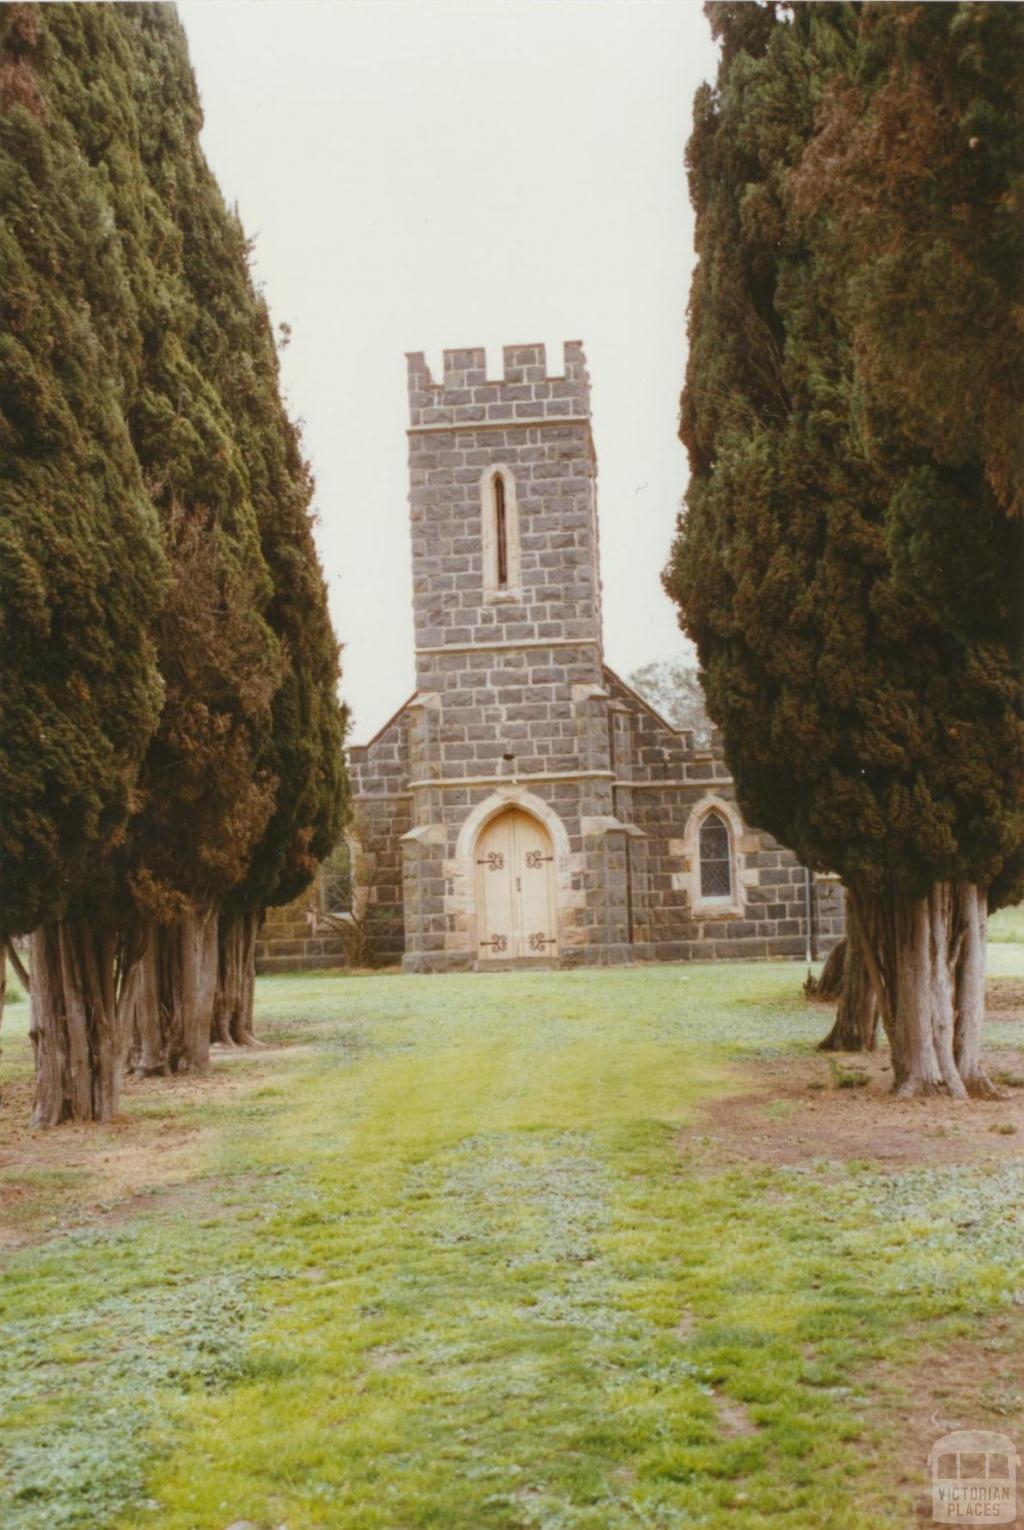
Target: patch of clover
107,1376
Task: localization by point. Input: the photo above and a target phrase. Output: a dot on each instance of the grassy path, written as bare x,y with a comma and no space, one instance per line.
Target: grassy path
443,1263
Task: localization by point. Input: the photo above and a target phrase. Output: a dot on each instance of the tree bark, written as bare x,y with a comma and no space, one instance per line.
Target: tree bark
927,962
830,984
77,1028
236,979
170,999
187,984
970,994
144,1017
856,1024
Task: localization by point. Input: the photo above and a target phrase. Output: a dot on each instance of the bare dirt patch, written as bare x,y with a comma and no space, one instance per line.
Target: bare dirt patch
76,1175
733,1419
1005,996
796,1110
974,1383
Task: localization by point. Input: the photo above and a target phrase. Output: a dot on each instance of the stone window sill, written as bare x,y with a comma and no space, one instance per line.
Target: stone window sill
717,908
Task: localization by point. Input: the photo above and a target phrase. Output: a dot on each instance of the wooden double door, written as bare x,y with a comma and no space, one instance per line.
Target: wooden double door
515,882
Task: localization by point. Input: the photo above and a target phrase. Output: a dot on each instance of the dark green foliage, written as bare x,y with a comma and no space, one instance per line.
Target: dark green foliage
156,504
207,799
850,564
918,164
256,743
81,567
302,748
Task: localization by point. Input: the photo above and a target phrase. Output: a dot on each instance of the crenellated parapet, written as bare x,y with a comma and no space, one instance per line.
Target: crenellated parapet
525,391
526,805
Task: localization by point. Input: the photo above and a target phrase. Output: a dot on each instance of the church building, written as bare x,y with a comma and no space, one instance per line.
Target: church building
525,805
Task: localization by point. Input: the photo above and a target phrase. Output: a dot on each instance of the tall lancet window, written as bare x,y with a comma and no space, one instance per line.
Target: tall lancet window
715,858
500,533
499,527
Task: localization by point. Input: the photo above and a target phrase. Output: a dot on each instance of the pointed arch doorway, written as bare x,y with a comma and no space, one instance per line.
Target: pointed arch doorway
515,889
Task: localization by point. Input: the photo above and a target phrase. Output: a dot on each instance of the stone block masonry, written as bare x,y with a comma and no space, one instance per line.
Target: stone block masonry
520,735
290,942
461,432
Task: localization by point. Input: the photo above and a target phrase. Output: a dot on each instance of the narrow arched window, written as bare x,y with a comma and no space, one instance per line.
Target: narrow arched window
715,858
500,532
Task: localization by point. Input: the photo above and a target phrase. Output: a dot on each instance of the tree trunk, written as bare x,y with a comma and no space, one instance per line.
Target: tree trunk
170,1000
78,1034
144,1016
199,985
927,961
236,979
856,1025
970,993
830,984
187,984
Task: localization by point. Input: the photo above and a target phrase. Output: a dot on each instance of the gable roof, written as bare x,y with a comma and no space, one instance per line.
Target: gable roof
645,703
384,728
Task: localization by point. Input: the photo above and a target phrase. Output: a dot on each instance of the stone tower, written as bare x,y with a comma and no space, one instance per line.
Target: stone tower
526,805
510,706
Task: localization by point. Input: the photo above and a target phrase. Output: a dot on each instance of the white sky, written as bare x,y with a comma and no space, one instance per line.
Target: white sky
422,174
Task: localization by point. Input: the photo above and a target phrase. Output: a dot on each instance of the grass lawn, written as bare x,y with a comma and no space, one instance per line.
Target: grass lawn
558,1250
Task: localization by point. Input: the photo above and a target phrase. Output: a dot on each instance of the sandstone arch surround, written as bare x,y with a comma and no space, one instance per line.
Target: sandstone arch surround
461,893
515,706
740,839
361,874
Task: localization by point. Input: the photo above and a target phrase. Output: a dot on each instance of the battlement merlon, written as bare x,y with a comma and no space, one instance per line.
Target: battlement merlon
467,396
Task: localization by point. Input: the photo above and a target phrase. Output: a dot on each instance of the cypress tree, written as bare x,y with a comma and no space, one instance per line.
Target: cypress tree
224,493
298,745
303,751
849,564
208,799
81,569
262,766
